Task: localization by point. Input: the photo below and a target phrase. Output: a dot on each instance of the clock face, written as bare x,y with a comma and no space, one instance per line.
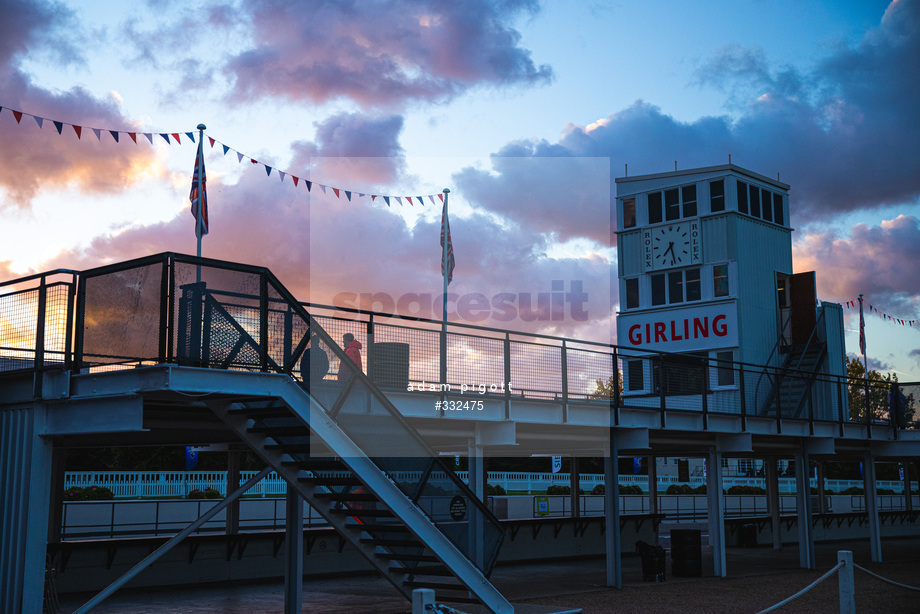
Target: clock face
672,245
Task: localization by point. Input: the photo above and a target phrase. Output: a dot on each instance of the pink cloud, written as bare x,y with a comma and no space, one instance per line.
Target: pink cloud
382,54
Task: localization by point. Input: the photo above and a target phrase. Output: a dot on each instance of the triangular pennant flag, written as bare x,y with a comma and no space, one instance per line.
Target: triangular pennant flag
268,170
212,143
431,198
295,178
226,149
399,200
336,190
253,161
133,136
361,195
441,196
38,120
98,133
421,200
17,115
78,130
175,135
373,197
191,136
239,157
114,134
323,188
387,200
347,195
281,174
149,136
165,137
308,183
58,125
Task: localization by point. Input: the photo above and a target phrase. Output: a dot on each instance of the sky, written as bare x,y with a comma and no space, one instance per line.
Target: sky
526,111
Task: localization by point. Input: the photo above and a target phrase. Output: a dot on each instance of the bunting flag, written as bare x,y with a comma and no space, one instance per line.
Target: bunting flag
903,322
201,225
171,138
862,328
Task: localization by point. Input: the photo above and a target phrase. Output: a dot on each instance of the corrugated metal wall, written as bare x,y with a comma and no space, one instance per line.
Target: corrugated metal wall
16,432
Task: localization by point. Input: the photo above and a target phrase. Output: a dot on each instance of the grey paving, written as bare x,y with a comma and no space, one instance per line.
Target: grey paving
531,582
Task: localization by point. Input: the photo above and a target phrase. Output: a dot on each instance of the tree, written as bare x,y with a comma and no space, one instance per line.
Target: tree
605,389
879,386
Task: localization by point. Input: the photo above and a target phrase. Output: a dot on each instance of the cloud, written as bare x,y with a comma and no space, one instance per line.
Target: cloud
877,261
381,55
356,149
39,154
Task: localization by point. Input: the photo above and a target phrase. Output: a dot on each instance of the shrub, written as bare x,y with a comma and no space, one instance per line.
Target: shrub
852,490
556,489
632,489
74,493
495,490
90,493
207,493
699,490
98,493
746,490
680,489
600,490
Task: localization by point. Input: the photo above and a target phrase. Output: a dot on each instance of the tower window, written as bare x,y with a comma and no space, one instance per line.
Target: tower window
672,205
720,280
629,212
717,195
654,207
742,197
688,193
778,208
632,293
676,287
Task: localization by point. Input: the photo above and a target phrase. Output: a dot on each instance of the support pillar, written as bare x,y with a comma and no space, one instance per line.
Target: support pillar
822,500
716,511
233,482
478,486
772,478
803,510
652,485
875,538
908,494
293,568
25,485
574,482
612,513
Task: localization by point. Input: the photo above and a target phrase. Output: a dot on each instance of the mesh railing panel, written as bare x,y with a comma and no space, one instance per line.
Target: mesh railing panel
404,355
590,374
121,320
536,370
18,329
57,299
475,364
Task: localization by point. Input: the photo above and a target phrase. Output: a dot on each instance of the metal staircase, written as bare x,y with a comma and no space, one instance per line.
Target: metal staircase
381,518
230,336
793,381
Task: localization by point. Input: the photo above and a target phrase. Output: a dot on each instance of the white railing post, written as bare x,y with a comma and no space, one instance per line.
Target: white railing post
846,589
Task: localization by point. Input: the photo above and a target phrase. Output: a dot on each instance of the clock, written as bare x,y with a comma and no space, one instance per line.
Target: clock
672,245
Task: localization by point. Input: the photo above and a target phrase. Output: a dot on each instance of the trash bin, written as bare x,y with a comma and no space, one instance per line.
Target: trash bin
390,362
686,553
747,535
653,566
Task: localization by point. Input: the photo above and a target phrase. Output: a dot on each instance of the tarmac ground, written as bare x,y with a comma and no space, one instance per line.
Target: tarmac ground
757,578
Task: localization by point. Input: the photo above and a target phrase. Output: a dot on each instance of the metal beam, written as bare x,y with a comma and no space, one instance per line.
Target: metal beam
95,414
875,538
716,502
612,512
156,554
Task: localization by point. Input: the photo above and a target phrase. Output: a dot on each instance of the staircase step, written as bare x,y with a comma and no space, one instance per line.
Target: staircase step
393,543
425,571
380,528
362,513
280,431
261,412
346,496
328,481
426,558
438,586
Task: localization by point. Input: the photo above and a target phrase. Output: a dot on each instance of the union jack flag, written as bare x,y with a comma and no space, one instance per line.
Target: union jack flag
202,228
447,259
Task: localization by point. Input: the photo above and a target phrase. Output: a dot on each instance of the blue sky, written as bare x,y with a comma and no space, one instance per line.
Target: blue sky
490,99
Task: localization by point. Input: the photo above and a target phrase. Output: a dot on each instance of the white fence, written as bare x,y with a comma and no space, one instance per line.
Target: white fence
177,484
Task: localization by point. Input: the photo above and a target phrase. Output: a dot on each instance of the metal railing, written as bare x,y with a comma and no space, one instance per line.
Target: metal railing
140,312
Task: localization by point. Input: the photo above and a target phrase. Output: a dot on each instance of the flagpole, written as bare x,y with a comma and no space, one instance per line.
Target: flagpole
200,222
